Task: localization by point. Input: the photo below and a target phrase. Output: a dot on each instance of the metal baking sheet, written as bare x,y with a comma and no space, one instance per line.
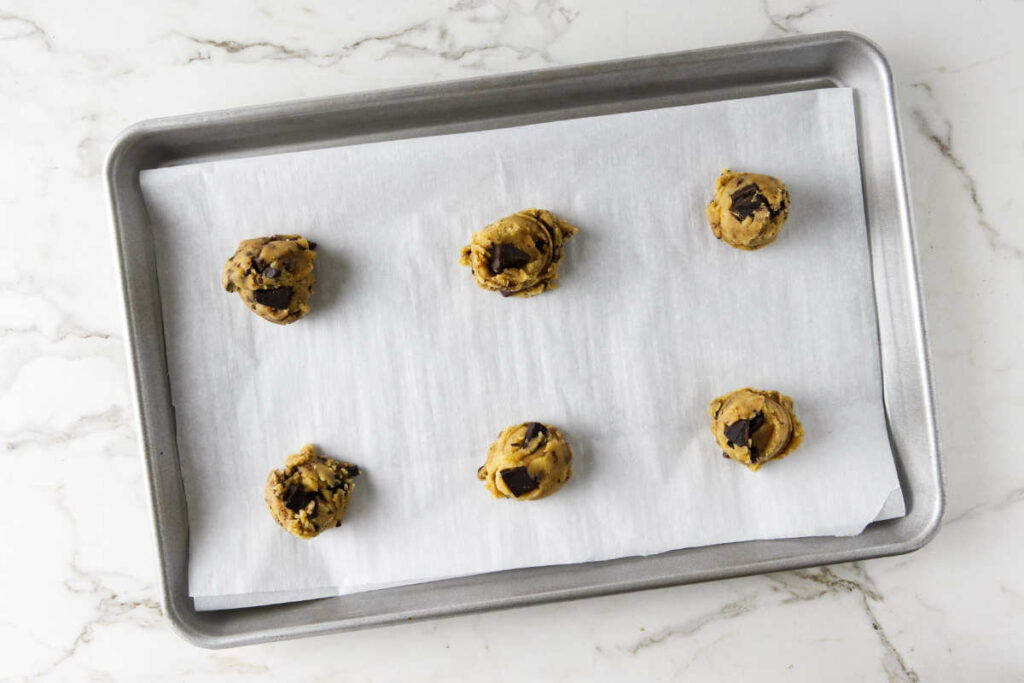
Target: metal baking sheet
817,61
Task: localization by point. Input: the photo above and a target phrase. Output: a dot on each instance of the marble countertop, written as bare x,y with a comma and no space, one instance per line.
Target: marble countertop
78,593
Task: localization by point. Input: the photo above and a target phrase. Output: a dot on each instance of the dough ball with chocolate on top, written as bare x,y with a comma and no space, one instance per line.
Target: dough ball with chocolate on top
273,276
310,493
519,255
748,209
753,426
527,461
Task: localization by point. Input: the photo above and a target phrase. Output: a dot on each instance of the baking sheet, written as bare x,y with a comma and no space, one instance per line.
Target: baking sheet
408,369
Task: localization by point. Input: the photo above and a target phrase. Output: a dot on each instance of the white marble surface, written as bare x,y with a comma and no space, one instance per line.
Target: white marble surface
78,595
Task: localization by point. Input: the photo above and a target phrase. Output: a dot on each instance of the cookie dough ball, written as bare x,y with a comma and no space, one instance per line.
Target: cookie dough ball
519,254
274,276
753,427
748,209
311,493
528,461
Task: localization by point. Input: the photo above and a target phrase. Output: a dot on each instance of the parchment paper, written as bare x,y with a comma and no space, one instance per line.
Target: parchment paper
406,368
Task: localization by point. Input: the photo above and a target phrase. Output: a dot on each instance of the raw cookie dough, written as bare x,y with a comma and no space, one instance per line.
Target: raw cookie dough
528,461
311,493
519,254
274,276
748,209
753,427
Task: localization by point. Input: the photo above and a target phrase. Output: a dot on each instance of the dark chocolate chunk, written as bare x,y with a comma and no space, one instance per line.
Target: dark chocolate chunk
754,454
289,263
278,297
508,256
296,498
533,429
353,470
756,422
506,292
745,201
270,271
518,480
726,455
258,265
540,244
738,432
312,245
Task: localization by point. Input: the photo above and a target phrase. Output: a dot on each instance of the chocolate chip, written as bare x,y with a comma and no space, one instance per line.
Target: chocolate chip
278,297
508,256
533,429
540,244
312,245
745,201
289,263
258,265
738,432
270,271
506,291
726,455
353,470
518,480
296,498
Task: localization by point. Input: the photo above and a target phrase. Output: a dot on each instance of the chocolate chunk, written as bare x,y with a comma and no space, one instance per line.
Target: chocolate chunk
278,297
518,480
258,265
312,245
289,263
270,271
506,291
353,470
726,455
540,244
745,201
756,422
738,432
508,256
533,429
754,454
296,498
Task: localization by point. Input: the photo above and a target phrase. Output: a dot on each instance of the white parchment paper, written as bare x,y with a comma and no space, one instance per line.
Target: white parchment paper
406,368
